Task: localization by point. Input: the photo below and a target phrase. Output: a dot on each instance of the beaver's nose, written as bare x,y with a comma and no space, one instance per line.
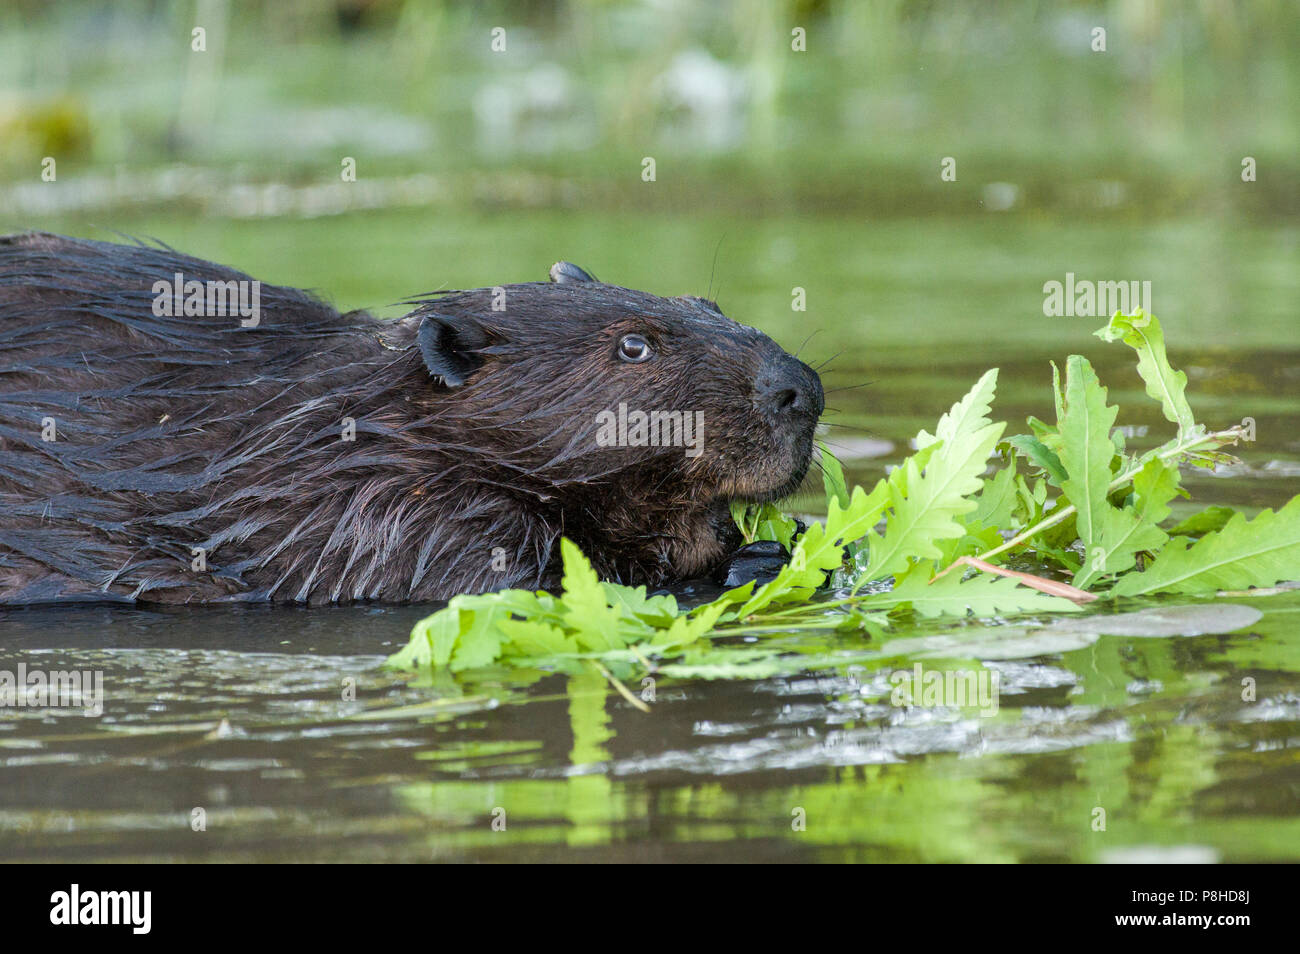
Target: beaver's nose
786,385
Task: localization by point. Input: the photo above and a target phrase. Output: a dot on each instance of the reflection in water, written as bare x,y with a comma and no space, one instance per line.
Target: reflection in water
281,725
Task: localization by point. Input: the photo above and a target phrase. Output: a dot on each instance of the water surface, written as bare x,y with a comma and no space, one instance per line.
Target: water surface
281,725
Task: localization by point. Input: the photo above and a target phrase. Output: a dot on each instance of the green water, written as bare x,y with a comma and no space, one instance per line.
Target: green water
241,712
280,727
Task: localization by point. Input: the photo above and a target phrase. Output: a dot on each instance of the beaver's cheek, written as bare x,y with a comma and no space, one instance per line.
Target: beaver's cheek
764,470
787,456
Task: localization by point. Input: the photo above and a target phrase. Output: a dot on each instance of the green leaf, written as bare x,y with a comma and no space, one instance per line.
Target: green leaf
981,595
782,530
740,514
1245,553
763,522
632,601
1086,448
1134,529
1031,500
586,611
821,549
461,635
923,505
977,537
995,507
1142,333
836,488
1047,433
687,629
996,502
533,638
936,506
1040,455
833,478
1207,520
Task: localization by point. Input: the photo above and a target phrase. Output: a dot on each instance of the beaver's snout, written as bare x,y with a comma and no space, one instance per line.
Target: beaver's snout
786,387
768,456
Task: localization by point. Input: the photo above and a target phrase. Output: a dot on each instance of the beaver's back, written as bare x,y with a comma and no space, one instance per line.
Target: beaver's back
109,410
73,307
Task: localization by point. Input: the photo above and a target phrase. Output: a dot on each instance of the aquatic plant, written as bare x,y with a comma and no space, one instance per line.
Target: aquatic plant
928,540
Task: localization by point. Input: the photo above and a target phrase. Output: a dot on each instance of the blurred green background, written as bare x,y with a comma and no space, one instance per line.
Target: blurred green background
775,169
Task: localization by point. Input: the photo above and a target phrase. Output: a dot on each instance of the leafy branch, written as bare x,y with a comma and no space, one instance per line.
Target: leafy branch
1168,454
892,552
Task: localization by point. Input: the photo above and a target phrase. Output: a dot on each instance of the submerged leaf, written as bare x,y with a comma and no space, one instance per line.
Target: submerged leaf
1199,619
991,642
1067,635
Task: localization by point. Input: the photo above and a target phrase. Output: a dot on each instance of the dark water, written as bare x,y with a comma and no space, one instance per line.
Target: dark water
281,726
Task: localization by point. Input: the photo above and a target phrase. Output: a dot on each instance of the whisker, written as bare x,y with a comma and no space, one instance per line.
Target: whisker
843,447
849,387
805,342
819,367
714,269
850,427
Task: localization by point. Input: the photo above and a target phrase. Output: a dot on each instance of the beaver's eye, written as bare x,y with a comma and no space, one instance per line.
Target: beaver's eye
634,349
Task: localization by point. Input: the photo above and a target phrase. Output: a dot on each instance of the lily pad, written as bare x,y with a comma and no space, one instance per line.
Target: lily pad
1063,636
992,642
1194,619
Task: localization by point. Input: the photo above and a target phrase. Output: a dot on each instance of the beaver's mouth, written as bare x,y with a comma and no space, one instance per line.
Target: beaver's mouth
771,482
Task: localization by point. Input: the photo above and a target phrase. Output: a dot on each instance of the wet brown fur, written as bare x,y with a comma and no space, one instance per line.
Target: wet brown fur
179,434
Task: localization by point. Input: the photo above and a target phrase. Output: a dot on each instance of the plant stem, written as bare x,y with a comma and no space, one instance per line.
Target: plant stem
813,608
622,689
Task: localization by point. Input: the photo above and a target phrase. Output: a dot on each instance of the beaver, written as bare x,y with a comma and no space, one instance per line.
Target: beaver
159,445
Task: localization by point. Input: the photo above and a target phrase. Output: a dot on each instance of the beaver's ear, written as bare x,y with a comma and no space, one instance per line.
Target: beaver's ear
449,345
562,272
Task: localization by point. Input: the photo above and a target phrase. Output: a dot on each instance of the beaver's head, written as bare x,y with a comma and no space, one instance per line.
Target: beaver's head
583,382
582,385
